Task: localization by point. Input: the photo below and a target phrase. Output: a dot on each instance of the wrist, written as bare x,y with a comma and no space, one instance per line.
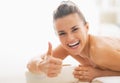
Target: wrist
100,72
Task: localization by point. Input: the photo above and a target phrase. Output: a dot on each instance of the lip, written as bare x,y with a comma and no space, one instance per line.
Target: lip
74,45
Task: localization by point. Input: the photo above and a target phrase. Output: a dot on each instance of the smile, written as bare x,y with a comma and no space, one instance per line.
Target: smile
73,45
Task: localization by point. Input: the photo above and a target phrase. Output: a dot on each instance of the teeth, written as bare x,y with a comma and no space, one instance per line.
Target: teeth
73,44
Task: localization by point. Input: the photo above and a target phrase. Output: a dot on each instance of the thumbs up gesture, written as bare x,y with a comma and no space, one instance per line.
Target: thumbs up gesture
49,53
51,65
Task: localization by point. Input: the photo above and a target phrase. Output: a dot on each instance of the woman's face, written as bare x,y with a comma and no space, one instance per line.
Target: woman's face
72,33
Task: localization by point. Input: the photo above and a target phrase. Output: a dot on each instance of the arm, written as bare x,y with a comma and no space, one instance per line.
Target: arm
88,73
58,52
108,73
106,58
61,53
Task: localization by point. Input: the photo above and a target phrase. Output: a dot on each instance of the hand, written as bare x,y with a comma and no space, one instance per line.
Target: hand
86,73
50,65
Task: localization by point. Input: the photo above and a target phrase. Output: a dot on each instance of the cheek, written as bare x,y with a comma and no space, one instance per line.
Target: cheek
62,40
83,34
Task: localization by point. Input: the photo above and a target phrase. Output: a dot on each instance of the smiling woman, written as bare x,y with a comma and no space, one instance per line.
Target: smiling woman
91,51
25,29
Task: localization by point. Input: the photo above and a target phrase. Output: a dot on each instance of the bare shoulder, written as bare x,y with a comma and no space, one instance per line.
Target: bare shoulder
102,45
102,42
105,51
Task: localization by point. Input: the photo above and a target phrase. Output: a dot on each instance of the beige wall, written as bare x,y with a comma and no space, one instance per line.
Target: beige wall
109,11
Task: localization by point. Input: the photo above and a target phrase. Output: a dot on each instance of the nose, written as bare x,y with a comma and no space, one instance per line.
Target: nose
70,37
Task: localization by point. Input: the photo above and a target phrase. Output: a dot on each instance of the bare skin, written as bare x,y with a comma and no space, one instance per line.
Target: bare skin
99,56
104,61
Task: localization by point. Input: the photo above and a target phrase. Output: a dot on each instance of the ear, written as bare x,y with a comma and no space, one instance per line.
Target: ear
87,27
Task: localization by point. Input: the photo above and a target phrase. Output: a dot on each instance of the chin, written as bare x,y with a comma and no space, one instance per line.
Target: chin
74,52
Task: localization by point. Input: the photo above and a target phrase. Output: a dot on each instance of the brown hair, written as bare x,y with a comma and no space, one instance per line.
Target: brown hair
66,8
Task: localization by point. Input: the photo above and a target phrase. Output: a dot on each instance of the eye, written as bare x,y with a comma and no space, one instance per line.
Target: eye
75,29
62,33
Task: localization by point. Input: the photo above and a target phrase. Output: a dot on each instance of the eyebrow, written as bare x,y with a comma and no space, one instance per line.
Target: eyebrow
74,27
70,28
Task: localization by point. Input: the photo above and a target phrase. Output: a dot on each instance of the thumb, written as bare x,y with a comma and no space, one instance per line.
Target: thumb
49,52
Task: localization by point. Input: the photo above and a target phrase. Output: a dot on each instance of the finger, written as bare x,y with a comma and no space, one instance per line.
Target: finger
80,73
52,74
49,52
81,68
80,77
84,78
55,67
53,71
55,61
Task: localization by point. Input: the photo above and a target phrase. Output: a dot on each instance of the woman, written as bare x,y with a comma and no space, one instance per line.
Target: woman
99,56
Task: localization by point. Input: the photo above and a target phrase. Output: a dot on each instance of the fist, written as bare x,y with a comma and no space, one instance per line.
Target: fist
86,73
51,66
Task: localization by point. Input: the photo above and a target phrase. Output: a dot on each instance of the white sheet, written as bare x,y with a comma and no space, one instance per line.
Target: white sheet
66,77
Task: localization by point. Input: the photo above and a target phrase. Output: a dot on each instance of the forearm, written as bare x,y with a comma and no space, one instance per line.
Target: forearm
103,73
